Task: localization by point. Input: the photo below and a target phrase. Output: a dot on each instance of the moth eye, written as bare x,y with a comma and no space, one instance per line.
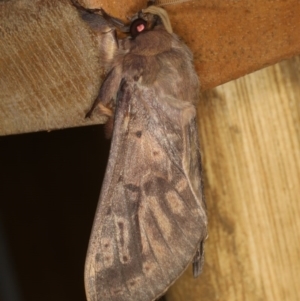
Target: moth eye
137,26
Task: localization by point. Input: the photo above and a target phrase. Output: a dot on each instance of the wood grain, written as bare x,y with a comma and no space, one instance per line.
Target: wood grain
50,71
250,135
47,74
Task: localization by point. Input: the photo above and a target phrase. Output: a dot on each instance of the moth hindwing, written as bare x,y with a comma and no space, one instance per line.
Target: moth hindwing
151,217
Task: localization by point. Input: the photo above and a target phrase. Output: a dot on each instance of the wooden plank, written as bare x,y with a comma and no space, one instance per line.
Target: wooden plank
50,72
250,134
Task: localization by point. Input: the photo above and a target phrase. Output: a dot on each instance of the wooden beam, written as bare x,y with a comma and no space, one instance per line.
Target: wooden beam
49,67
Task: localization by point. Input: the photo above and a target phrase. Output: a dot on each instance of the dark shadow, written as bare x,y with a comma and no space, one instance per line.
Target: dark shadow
50,183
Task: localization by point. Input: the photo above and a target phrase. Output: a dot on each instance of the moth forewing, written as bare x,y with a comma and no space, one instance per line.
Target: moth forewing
151,220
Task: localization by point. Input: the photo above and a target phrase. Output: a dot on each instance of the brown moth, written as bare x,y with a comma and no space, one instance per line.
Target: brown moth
151,217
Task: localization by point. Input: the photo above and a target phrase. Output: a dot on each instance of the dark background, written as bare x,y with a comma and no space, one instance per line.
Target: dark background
49,188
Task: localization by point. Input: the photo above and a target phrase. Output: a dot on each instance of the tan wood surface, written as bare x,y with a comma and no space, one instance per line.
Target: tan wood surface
249,128
50,72
250,136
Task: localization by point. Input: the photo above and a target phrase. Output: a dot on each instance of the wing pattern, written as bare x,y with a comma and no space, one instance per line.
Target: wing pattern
151,219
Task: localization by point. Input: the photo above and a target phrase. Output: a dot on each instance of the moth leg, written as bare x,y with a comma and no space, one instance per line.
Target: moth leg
97,18
107,93
92,16
198,260
114,21
82,8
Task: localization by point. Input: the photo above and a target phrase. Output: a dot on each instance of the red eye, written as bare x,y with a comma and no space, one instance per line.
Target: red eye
137,26
140,27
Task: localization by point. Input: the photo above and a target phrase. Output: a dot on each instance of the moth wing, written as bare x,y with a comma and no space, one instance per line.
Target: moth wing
151,215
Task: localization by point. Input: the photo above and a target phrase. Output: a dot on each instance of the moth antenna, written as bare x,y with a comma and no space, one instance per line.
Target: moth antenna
114,21
162,14
168,2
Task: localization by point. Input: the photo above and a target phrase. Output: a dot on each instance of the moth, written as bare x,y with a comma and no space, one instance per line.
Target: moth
151,221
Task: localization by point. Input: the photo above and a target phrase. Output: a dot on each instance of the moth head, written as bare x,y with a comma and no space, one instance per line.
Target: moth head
148,19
